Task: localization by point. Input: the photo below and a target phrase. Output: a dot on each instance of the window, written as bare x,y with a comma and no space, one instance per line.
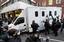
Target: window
58,1
43,13
55,13
37,4
36,13
50,2
19,20
50,13
44,3
18,11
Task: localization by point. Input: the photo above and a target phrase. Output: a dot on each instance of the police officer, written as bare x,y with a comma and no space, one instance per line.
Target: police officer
47,26
62,25
53,25
57,25
34,26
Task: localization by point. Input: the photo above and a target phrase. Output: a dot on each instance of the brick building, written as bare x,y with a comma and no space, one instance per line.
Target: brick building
49,2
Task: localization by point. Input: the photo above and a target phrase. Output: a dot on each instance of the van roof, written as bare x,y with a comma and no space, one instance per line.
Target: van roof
14,6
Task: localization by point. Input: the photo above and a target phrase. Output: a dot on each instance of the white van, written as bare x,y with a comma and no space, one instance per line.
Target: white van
24,20
27,13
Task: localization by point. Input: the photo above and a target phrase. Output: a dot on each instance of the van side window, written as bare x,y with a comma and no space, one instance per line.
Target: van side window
43,13
36,13
55,13
19,20
50,13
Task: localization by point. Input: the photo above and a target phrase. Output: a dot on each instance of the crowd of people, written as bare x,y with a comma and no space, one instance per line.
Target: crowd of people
8,35
54,26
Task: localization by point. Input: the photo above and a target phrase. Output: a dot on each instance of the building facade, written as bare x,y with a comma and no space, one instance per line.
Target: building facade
49,2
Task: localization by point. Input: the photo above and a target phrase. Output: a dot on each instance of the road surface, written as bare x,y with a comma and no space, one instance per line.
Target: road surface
52,38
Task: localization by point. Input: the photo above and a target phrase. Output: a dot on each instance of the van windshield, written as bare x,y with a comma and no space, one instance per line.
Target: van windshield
11,16
19,21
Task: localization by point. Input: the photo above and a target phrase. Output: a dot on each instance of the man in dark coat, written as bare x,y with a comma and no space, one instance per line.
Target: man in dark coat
34,26
57,25
62,25
47,27
53,24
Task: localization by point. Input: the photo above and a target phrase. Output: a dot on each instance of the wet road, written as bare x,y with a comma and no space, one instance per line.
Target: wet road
52,38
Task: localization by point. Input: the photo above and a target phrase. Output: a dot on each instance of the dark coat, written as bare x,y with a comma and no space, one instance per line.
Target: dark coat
47,25
53,25
34,26
58,25
63,25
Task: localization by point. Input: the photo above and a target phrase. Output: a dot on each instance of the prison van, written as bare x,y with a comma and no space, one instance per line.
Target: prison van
20,15
38,14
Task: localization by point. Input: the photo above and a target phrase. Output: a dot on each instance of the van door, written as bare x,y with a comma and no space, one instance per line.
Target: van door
20,23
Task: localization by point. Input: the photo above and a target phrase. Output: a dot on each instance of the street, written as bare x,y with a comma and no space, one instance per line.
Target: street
52,38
